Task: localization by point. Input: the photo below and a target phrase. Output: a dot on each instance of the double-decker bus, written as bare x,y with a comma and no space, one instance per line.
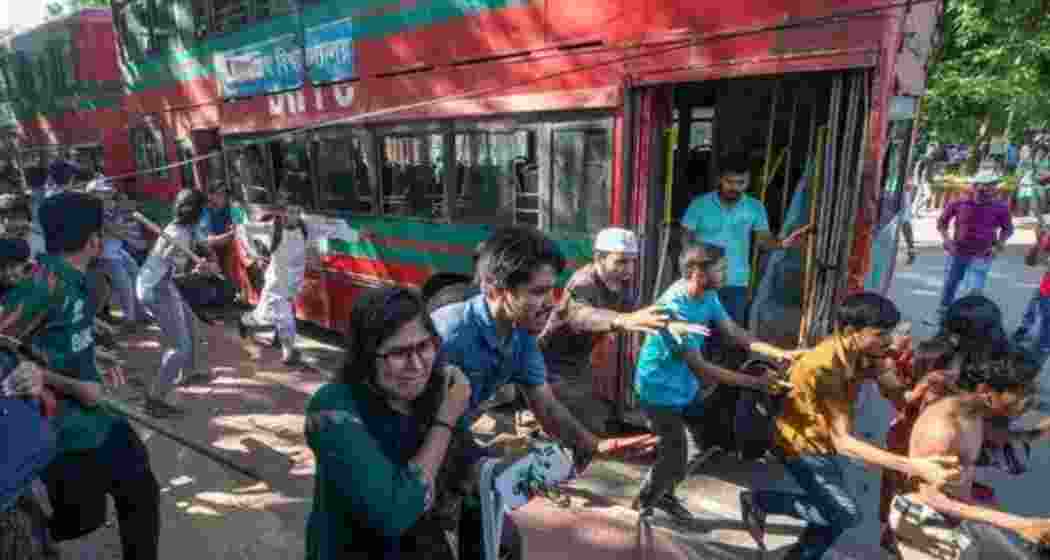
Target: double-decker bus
61,97
407,130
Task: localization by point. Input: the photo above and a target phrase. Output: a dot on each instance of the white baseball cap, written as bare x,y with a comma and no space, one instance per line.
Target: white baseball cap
986,177
616,240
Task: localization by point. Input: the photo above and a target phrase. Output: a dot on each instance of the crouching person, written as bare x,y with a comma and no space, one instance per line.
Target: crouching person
934,522
99,454
671,373
389,470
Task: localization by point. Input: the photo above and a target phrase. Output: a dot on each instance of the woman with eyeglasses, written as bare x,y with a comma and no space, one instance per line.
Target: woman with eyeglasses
385,439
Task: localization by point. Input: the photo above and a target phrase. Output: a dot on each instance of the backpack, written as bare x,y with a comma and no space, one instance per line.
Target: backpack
754,423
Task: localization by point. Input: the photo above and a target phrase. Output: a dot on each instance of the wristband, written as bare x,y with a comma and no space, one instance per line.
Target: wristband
443,424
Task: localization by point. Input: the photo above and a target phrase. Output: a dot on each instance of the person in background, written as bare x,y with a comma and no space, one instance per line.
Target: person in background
815,426
931,520
982,224
671,371
118,265
906,216
216,228
283,281
157,291
598,300
99,454
385,436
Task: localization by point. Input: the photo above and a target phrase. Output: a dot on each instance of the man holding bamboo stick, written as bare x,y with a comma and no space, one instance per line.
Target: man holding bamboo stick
99,454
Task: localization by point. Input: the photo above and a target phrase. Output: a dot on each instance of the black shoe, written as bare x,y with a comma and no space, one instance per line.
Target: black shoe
673,507
754,519
160,409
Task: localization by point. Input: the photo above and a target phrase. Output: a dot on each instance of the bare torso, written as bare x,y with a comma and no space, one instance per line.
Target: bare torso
946,427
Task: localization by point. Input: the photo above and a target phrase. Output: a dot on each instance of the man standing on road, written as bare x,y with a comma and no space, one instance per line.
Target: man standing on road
100,454
815,426
672,370
597,302
982,224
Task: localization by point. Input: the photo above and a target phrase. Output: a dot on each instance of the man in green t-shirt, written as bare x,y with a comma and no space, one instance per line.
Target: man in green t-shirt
99,454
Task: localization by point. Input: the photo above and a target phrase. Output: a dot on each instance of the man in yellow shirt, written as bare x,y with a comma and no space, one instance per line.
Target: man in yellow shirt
816,425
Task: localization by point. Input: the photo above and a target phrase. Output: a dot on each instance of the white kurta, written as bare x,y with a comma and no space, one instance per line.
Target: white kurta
282,283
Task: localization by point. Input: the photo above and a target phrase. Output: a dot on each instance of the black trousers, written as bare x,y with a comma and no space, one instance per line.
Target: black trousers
78,483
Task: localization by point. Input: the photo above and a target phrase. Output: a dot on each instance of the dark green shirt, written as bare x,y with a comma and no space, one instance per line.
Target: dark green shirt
366,493
66,337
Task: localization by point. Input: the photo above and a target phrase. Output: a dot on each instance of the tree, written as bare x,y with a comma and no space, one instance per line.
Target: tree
991,74
59,8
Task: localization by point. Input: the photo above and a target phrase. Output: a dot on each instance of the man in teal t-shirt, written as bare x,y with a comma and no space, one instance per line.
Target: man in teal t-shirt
671,371
99,453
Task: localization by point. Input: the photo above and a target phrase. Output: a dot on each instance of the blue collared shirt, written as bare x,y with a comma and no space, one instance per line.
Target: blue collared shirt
469,341
663,378
729,228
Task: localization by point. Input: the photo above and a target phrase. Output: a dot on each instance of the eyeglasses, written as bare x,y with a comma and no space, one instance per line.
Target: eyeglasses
400,355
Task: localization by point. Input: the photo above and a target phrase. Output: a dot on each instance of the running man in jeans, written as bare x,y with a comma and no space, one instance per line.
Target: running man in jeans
816,425
982,226
671,369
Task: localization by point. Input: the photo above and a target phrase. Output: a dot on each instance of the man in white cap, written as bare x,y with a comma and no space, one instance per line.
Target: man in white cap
982,224
598,300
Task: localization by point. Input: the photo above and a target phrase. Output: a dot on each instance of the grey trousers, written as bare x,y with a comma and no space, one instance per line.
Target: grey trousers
180,332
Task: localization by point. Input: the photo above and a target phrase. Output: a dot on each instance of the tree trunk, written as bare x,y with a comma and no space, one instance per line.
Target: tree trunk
977,151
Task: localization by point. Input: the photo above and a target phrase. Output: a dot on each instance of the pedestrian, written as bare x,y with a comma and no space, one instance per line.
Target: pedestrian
157,291
488,337
982,224
99,454
597,301
815,427
386,435
672,370
283,282
932,521
907,213
119,267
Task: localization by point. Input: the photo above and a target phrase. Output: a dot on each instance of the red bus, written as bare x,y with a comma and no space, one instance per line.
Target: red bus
408,130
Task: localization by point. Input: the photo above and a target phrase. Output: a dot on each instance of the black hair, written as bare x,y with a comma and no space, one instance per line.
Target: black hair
189,203
976,320
867,310
711,254
376,315
931,355
511,255
735,163
1005,369
69,219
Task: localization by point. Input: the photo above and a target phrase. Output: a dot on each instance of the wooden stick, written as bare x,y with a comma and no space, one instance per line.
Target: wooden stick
197,260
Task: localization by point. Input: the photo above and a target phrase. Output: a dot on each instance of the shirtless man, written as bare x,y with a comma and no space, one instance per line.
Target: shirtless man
943,522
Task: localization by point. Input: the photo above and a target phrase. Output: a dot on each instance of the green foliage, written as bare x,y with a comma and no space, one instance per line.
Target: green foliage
994,60
59,8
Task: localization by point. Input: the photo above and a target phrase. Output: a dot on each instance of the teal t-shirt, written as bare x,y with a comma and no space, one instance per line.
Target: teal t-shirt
729,227
662,377
67,340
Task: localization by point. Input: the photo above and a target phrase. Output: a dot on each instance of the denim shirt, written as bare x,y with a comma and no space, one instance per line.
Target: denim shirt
469,341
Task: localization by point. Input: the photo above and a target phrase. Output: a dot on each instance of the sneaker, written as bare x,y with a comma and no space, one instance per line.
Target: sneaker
673,506
160,409
754,519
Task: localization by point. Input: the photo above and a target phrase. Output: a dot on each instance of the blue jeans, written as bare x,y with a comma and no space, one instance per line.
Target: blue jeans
122,273
956,268
826,505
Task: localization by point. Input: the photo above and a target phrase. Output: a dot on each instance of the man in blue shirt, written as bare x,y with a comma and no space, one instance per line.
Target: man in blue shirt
488,336
671,371
727,217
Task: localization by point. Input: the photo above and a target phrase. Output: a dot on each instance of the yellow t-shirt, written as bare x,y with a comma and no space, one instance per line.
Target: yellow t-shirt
823,379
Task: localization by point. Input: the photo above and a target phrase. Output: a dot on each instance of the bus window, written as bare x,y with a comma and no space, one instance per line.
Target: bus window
411,176
291,163
342,169
487,174
581,182
249,173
